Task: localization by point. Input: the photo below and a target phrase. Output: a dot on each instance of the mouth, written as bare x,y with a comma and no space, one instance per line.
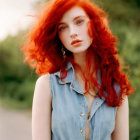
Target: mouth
76,42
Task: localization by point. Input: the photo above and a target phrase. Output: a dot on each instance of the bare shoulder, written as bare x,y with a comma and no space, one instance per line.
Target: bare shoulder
42,94
41,109
42,87
124,104
123,109
43,80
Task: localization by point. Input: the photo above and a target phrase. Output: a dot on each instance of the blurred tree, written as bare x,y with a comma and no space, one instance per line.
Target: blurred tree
17,79
13,72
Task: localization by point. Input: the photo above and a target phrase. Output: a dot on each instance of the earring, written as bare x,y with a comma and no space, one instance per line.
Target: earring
63,52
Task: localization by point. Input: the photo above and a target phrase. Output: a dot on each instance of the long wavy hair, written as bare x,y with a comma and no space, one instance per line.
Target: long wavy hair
43,50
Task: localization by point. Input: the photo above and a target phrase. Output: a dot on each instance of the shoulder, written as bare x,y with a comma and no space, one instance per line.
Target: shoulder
41,109
42,90
123,112
124,105
43,83
42,80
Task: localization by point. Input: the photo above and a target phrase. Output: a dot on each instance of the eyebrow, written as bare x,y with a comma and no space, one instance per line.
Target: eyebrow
72,20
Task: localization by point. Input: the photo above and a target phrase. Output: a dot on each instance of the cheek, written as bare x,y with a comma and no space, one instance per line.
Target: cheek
83,30
86,32
63,38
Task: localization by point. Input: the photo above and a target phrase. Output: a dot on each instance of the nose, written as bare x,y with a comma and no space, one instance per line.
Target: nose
73,33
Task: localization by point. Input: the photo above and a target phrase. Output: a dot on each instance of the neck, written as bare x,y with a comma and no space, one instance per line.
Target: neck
80,59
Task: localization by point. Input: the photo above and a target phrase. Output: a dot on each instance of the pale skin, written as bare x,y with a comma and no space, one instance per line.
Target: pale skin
42,101
73,25
41,114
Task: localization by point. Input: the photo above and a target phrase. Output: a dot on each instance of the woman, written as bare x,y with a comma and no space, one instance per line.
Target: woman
82,93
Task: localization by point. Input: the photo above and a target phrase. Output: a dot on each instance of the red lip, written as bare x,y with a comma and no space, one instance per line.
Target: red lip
75,41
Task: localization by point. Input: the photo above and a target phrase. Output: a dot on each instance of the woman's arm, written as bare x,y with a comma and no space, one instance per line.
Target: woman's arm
41,110
121,131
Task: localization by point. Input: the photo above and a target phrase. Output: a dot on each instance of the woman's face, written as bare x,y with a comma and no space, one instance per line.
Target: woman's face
73,30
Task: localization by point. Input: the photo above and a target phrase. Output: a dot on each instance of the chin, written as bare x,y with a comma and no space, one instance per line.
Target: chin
79,50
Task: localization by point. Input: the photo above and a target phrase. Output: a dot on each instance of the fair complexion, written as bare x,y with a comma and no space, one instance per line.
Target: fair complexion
42,101
121,131
73,26
41,114
41,109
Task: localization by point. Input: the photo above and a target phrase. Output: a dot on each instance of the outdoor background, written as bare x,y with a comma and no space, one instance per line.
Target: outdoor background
17,79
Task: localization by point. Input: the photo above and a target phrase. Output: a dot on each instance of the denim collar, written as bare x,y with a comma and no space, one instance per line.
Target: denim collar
70,74
70,78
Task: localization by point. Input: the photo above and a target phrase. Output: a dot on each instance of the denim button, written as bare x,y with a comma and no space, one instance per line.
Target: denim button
82,114
82,131
96,103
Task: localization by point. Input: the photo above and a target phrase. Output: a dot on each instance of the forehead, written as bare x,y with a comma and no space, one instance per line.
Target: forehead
73,12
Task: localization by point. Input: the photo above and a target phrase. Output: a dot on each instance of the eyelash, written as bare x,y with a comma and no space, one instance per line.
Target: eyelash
78,22
62,28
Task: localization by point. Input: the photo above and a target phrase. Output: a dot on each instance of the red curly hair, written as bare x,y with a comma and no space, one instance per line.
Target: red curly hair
43,50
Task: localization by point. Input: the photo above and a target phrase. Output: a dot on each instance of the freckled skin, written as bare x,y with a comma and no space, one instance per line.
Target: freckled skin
75,29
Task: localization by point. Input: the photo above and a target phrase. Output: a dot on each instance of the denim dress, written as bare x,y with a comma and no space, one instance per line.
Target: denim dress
70,110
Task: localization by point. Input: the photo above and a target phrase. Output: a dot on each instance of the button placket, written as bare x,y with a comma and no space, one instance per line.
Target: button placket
83,115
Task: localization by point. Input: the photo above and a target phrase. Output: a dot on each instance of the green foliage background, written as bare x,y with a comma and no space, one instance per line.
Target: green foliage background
17,80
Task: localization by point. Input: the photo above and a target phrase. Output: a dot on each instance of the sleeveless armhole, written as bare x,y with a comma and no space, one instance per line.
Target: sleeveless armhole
117,89
51,87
